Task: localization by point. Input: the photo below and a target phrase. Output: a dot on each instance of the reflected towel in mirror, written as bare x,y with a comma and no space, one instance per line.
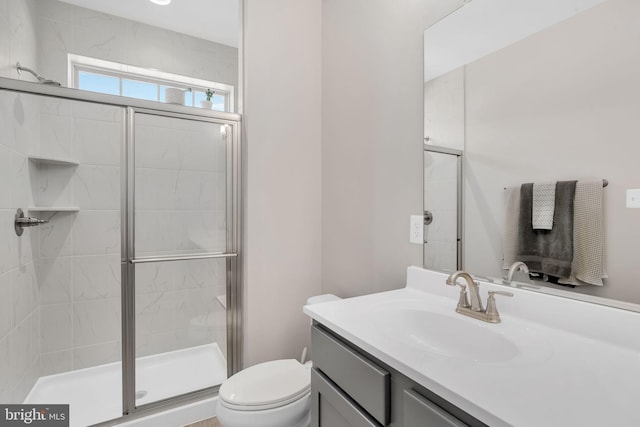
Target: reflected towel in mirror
588,236
547,251
544,201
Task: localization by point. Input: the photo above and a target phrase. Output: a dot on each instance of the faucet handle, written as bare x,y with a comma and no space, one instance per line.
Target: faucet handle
492,311
506,294
463,300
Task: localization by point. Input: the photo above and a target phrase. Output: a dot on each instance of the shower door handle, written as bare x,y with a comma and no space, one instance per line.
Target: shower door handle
212,255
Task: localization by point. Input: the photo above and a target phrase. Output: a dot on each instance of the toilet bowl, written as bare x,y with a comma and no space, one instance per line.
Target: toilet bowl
270,394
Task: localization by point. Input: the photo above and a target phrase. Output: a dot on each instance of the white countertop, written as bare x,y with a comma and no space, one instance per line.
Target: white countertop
571,364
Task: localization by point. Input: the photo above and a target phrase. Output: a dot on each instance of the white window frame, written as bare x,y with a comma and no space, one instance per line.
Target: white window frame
77,63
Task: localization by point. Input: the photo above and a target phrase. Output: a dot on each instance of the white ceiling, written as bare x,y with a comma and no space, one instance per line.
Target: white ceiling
214,20
485,26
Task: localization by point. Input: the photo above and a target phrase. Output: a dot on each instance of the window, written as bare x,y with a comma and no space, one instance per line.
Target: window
97,75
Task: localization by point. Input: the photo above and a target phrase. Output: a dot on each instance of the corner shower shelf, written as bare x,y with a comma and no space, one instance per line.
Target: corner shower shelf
48,160
54,209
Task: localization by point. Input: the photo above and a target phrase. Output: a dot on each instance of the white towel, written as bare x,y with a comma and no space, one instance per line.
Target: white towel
544,202
588,235
510,236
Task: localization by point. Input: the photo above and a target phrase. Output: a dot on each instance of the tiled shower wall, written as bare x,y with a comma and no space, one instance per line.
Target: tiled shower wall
19,294
18,37
64,28
78,272
40,34
59,282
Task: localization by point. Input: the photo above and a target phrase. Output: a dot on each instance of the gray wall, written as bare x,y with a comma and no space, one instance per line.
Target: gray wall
333,138
372,140
334,156
282,184
561,104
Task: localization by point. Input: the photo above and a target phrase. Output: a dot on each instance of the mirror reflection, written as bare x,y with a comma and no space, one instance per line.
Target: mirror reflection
184,53
540,92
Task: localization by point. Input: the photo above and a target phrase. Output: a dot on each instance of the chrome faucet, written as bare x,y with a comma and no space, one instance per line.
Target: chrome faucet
475,309
476,303
518,265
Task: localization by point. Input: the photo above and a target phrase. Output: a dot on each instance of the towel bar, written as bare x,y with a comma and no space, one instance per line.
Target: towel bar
605,183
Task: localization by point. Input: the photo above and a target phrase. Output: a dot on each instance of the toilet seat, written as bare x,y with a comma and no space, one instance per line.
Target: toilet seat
266,385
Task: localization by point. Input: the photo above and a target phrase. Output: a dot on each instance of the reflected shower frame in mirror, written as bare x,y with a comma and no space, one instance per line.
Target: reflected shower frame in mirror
442,248
468,112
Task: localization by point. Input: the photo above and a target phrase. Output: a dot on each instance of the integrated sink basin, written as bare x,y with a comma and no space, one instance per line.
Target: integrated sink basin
448,335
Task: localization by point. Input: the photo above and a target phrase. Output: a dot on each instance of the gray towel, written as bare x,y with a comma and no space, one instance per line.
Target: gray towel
548,251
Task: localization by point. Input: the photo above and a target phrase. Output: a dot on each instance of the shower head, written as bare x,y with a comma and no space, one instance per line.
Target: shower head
41,79
49,82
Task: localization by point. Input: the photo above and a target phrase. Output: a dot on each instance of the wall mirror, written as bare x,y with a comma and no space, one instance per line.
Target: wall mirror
182,53
536,91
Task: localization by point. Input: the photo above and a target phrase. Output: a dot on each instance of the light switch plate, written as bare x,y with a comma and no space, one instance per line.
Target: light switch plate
416,229
633,198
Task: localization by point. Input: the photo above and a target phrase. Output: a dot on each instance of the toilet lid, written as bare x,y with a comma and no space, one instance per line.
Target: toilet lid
266,385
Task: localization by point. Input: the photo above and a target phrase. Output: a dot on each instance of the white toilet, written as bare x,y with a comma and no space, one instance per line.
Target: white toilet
270,394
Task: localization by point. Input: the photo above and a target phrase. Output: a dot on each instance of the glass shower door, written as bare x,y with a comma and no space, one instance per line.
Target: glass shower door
182,246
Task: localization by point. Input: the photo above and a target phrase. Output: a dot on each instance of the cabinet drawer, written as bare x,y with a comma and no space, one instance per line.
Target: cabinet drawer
421,412
366,383
331,407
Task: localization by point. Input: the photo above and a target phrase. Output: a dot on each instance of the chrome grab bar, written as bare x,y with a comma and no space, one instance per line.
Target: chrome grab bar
143,260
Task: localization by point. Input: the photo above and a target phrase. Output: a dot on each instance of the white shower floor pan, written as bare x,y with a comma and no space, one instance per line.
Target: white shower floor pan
94,394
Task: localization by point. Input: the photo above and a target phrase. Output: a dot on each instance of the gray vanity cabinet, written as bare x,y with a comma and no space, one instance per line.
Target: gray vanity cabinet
331,407
420,411
341,372
350,388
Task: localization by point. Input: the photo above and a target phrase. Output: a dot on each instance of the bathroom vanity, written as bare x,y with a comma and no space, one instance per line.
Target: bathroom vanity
352,388
406,358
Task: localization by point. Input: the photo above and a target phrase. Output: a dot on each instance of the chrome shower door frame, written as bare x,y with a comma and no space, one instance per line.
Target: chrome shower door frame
129,261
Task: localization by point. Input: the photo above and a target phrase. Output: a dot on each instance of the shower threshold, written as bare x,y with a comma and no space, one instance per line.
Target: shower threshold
94,394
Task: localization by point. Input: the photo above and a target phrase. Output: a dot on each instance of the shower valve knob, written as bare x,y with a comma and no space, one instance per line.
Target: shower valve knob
21,222
30,222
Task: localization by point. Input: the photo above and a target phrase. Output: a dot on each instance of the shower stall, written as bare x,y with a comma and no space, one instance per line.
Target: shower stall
120,297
